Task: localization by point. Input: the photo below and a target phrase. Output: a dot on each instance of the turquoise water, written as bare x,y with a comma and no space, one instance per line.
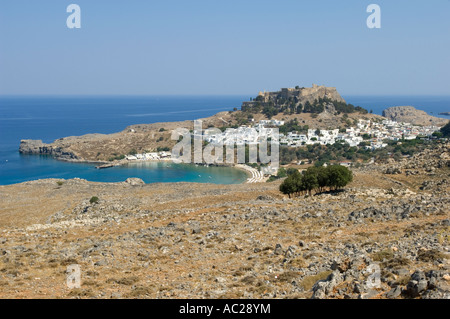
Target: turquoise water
40,167
50,118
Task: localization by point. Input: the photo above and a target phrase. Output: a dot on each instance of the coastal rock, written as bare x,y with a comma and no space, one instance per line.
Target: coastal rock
37,147
409,114
134,182
32,147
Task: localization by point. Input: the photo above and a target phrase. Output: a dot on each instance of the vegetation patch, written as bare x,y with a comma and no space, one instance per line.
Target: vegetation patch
430,255
308,282
317,179
383,255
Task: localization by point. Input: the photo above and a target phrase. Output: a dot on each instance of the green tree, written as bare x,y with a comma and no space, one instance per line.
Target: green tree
322,175
309,181
438,134
339,176
281,172
288,187
446,130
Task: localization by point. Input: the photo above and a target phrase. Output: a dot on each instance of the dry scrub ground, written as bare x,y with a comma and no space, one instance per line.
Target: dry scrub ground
224,241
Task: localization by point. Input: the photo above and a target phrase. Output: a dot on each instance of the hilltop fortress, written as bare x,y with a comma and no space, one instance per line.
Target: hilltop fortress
295,96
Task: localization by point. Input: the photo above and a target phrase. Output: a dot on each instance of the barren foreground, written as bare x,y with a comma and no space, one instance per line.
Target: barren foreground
238,241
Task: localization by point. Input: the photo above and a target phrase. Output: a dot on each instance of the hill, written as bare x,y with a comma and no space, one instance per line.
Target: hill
316,100
409,114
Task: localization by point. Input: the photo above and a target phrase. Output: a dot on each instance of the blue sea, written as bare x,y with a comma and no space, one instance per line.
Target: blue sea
433,105
50,118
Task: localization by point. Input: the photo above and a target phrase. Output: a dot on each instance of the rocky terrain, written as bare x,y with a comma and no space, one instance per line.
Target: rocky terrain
237,241
409,114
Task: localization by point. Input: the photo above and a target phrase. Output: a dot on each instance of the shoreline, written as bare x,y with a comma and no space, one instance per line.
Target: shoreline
105,165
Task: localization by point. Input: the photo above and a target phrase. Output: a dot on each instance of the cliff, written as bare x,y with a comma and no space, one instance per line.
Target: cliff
297,99
303,95
314,100
409,114
39,148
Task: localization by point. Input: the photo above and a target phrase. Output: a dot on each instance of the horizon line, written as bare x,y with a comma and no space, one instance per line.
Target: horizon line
205,95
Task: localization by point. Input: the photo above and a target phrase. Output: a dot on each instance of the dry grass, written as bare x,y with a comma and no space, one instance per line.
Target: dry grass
308,282
383,255
80,293
288,276
136,268
430,255
396,262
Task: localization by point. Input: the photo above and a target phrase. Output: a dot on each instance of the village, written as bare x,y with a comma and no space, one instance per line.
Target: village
368,134
372,133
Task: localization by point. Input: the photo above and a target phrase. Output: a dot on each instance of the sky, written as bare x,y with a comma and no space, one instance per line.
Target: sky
233,47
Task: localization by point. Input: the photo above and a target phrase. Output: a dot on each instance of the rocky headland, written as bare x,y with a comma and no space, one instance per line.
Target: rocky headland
409,114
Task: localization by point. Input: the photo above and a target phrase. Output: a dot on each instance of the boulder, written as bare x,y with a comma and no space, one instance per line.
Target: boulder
134,182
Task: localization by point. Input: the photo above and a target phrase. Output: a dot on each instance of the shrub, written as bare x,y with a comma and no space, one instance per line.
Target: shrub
94,200
317,178
383,255
446,130
282,172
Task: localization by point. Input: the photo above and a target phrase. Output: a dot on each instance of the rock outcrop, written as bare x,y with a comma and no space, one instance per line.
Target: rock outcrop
297,95
409,114
37,147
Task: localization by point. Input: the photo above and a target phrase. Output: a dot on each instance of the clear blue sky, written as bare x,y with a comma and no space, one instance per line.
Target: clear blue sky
223,47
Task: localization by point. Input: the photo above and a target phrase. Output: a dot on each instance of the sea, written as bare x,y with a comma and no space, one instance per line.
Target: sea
48,118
